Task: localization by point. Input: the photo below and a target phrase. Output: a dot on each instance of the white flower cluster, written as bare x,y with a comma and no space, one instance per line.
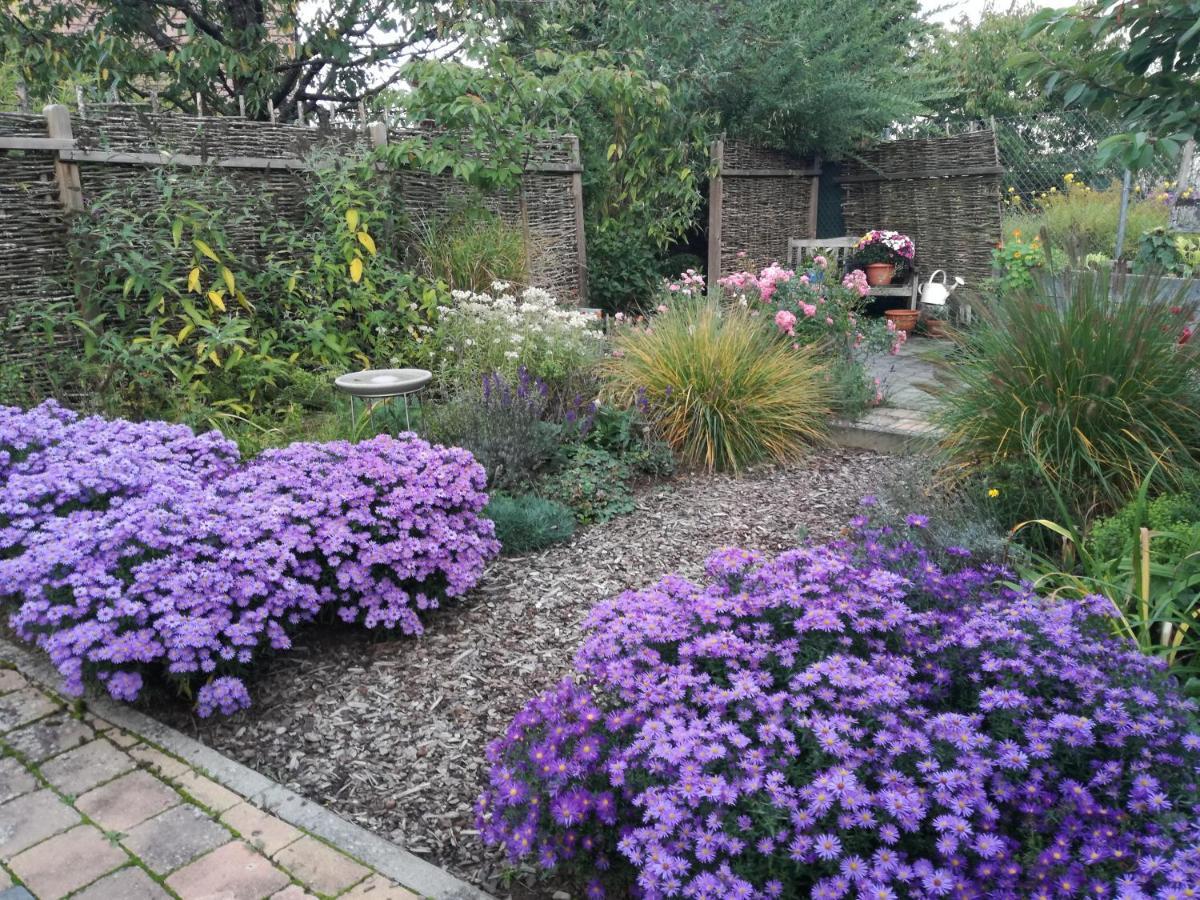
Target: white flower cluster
481,333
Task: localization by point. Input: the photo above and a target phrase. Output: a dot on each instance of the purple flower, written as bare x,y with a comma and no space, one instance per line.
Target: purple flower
855,720
129,546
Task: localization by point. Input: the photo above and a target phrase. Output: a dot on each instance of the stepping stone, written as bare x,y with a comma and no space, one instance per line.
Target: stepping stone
15,779
320,867
127,801
22,707
232,872
261,830
83,768
11,680
49,737
30,819
130,883
378,888
173,839
65,863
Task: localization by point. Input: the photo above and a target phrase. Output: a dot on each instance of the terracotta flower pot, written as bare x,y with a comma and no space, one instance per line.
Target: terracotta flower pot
905,319
880,274
935,328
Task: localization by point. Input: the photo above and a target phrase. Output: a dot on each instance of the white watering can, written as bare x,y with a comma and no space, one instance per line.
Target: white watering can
936,293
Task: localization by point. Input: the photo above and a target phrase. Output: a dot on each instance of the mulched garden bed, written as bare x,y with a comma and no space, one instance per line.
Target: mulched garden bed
391,733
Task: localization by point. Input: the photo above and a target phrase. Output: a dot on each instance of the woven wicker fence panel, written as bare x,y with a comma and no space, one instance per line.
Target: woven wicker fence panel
33,258
249,198
136,129
544,207
933,191
22,124
554,261
760,213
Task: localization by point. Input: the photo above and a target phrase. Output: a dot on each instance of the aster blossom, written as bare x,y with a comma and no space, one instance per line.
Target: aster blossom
864,718
129,549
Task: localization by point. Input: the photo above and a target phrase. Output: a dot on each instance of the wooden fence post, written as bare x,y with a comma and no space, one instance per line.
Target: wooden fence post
714,213
70,190
814,201
580,232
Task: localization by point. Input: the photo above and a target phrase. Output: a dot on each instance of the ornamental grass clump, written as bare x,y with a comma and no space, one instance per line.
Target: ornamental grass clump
853,720
189,565
723,391
1097,389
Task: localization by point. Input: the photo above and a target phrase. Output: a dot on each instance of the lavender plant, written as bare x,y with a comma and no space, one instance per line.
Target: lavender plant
853,720
130,550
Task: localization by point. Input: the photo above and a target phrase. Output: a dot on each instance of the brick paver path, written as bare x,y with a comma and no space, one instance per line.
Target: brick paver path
904,378
91,812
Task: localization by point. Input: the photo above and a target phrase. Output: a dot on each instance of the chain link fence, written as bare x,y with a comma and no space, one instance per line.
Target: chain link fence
1040,152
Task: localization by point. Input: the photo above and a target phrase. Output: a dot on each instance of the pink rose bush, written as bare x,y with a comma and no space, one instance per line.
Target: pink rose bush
871,718
142,549
809,310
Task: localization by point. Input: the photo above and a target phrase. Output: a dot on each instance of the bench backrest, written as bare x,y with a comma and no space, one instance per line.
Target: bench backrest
802,250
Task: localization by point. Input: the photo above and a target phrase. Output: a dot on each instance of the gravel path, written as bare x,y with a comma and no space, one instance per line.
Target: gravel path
391,732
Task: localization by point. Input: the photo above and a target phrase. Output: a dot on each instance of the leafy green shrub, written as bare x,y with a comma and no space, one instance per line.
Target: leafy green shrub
1018,259
722,390
1151,577
593,483
510,427
197,303
626,432
525,523
1095,389
623,268
1174,514
1085,220
470,249
1169,252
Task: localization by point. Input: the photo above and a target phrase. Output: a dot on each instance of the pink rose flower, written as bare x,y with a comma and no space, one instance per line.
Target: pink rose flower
785,321
820,262
809,309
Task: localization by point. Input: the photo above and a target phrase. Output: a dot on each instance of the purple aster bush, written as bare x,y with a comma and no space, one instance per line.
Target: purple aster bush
854,720
189,566
54,463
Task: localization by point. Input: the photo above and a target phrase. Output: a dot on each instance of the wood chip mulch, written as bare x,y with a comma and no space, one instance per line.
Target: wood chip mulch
390,733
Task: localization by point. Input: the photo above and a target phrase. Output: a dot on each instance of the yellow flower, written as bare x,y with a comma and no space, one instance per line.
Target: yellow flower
1012,190
1016,232
993,492
1016,254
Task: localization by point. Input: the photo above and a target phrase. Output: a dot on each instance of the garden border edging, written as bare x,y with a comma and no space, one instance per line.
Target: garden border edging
385,857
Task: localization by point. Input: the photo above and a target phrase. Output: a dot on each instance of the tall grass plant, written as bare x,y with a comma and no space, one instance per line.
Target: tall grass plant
724,391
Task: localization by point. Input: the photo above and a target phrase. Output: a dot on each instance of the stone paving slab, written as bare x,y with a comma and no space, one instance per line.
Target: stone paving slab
901,424
96,811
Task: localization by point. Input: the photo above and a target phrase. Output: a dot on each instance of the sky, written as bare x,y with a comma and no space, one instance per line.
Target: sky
947,10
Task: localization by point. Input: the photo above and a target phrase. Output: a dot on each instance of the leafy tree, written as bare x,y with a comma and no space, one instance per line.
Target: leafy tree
345,52
1144,70
642,158
809,76
978,70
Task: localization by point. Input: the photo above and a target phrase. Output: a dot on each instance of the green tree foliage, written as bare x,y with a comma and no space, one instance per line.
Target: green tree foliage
643,158
1143,69
977,66
344,52
801,75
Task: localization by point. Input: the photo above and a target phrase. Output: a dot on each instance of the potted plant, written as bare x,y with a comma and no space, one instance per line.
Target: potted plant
879,253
